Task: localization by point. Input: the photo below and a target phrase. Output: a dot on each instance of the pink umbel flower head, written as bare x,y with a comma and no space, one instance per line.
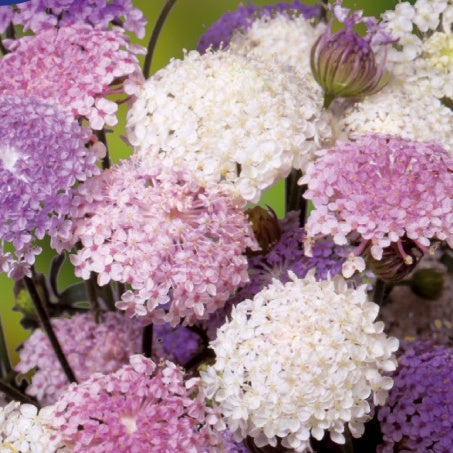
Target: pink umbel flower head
165,236
77,66
43,153
38,15
140,408
385,190
89,346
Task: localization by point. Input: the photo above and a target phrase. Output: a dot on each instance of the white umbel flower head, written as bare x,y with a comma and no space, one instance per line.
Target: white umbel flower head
281,38
400,110
424,60
228,118
300,359
23,429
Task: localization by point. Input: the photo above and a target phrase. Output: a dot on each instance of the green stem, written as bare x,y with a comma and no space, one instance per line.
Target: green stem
107,295
3,49
47,327
379,291
155,35
328,98
15,394
348,446
147,341
294,200
90,287
5,364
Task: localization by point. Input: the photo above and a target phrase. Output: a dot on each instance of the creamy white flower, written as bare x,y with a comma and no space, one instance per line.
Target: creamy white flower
400,110
426,60
287,40
300,359
228,118
24,430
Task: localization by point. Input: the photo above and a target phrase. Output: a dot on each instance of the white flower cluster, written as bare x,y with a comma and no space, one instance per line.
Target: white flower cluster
24,430
228,118
426,58
281,38
400,110
315,374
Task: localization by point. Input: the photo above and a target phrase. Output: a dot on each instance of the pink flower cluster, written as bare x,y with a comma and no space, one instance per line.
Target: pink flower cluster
38,15
164,235
73,65
384,188
140,408
88,346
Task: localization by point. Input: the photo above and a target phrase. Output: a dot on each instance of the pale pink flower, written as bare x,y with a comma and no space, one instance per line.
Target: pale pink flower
75,66
165,236
88,346
140,408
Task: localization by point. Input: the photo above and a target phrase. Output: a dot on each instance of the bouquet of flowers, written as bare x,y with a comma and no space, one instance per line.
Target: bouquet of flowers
200,321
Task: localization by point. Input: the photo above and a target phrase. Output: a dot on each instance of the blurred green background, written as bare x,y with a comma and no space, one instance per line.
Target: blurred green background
187,21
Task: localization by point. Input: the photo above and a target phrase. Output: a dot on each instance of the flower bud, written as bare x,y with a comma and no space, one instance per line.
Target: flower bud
344,63
265,227
427,283
393,266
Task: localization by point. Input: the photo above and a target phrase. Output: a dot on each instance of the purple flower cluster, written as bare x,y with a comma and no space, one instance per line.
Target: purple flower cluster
38,15
418,415
220,32
177,344
43,152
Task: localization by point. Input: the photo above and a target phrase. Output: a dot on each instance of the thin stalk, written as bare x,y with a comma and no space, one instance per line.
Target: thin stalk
155,35
47,327
90,287
103,139
147,341
16,394
108,296
3,49
5,364
348,446
293,196
379,291
324,5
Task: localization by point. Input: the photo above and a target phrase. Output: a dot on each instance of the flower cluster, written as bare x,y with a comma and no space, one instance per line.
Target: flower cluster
43,152
423,59
419,412
74,66
89,347
160,232
141,408
177,344
268,38
384,188
39,15
23,429
286,256
228,118
220,32
315,374
420,116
